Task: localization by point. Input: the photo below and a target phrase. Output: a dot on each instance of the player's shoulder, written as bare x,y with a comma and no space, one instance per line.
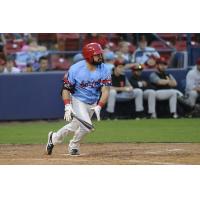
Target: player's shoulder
77,66
193,71
104,67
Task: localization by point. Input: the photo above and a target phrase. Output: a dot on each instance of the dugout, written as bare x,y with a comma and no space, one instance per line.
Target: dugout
36,96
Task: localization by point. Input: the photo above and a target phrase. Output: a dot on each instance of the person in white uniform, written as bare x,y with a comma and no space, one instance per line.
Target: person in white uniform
193,84
85,91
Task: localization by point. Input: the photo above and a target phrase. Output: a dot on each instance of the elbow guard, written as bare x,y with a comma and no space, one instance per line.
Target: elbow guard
68,86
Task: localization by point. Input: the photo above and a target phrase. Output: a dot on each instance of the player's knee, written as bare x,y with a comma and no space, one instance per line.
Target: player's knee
193,94
85,130
151,92
138,92
173,93
112,92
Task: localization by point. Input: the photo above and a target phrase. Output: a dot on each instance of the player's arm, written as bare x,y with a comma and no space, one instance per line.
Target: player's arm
157,80
67,90
104,95
119,89
163,82
66,96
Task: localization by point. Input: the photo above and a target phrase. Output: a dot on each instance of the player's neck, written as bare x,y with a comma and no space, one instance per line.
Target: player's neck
91,67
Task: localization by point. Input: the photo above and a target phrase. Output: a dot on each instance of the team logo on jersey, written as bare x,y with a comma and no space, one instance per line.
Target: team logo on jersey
91,84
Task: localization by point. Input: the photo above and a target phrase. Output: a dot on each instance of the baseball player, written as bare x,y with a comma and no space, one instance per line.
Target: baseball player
165,85
149,94
193,84
85,91
121,88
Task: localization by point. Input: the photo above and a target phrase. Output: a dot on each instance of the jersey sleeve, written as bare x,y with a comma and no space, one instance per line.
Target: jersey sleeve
69,77
154,78
106,78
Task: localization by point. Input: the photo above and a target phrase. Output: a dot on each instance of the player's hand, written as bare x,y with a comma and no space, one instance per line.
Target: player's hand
128,89
68,111
97,110
144,83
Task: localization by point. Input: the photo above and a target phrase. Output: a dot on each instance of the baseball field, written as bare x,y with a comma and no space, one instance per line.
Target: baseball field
161,141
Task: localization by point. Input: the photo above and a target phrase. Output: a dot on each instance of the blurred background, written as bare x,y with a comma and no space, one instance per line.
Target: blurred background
32,65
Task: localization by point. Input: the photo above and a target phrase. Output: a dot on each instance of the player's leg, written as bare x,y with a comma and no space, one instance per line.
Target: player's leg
111,101
171,95
173,103
83,111
55,138
192,97
59,136
150,96
138,96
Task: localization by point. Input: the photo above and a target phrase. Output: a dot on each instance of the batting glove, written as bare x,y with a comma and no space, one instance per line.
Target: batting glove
97,110
68,112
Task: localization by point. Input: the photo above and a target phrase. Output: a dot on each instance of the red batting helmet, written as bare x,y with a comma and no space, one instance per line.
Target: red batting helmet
90,50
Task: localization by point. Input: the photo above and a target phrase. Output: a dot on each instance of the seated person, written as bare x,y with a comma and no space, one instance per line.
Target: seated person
144,54
149,93
95,38
43,65
109,59
10,66
121,88
193,84
165,85
78,57
124,51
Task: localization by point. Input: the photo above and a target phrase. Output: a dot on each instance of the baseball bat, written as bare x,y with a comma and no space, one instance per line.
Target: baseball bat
86,124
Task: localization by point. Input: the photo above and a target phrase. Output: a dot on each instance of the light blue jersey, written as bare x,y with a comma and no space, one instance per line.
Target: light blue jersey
87,84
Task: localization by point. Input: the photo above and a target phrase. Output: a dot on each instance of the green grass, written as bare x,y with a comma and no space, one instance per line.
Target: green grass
161,130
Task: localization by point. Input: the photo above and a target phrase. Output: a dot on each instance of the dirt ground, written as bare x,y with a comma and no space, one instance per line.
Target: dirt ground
104,154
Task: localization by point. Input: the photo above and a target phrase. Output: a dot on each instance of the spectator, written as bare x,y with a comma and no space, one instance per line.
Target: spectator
193,84
122,89
28,68
78,57
164,84
149,93
33,46
10,67
144,54
2,65
110,46
109,59
2,68
124,50
43,64
30,54
95,38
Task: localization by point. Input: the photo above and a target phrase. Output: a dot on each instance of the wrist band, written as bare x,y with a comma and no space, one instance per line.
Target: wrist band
101,104
67,101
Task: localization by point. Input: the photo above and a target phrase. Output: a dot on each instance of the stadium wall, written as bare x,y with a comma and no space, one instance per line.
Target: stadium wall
36,96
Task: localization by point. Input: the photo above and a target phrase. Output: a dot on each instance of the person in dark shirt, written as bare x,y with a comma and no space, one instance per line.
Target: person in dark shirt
121,88
149,94
165,85
43,64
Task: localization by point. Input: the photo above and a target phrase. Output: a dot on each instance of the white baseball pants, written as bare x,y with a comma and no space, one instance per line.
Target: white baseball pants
83,111
170,94
136,94
150,96
192,97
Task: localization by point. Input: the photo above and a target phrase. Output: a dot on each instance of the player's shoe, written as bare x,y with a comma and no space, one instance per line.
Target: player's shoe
50,145
74,152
